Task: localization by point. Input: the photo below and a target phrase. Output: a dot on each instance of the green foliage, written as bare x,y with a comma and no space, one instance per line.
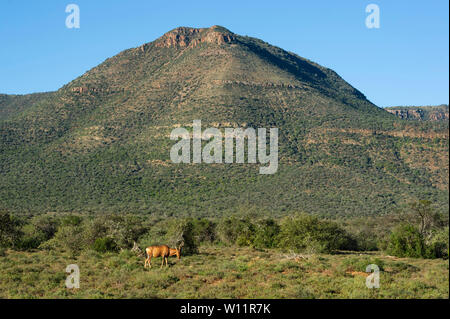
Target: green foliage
438,246
307,232
106,149
203,230
424,235
39,230
186,237
266,233
11,105
28,243
10,232
235,230
406,241
299,233
123,229
360,263
365,241
423,214
45,226
71,220
172,232
69,238
104,244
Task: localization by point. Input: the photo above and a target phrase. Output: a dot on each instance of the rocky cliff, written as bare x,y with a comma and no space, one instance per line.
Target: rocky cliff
421,113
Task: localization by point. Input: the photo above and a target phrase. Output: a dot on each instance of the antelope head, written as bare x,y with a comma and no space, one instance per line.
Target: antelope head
177,251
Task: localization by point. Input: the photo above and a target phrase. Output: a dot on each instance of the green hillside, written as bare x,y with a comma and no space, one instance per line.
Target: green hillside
10,105
101,142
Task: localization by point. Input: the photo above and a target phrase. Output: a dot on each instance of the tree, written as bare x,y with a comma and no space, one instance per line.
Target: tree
45,225
69,238
305,232
10,232
406,241
426,219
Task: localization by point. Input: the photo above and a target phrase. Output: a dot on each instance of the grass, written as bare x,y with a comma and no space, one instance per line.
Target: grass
221,272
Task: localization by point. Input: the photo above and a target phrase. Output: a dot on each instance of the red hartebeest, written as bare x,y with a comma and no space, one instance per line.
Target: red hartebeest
161,251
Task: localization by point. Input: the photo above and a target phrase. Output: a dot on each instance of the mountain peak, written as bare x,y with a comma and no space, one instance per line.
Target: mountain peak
187,36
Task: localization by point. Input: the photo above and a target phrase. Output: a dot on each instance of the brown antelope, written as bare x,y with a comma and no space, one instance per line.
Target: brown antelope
161,251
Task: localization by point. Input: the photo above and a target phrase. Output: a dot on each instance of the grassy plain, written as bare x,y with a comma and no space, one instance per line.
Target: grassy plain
221,272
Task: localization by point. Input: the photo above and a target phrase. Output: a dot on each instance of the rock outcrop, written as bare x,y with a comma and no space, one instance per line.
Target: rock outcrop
421,113
184,37
89,90
409,114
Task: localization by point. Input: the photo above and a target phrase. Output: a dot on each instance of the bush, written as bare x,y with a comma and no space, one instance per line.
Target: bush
68,238
45,226
365,241
266,234
27,243
203,230
38,231
406,241
94,229
439,246
236,231
71,220
246,233
123,230
360,263
172,232
308,233
10,233
104,244
183,233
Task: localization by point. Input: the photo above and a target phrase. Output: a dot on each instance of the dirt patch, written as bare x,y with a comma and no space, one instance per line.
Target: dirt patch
216,282
358,273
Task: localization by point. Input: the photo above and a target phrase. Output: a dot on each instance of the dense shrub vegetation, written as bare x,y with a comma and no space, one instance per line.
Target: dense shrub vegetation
418,233
424,234
107,149
308,232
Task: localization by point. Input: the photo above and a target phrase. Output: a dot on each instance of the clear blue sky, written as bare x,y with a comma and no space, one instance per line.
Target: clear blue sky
404,62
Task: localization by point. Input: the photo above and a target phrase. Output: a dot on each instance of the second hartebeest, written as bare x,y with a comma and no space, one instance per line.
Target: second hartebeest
161,251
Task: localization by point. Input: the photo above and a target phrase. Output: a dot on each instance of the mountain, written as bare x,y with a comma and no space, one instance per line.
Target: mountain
101,142
421,113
